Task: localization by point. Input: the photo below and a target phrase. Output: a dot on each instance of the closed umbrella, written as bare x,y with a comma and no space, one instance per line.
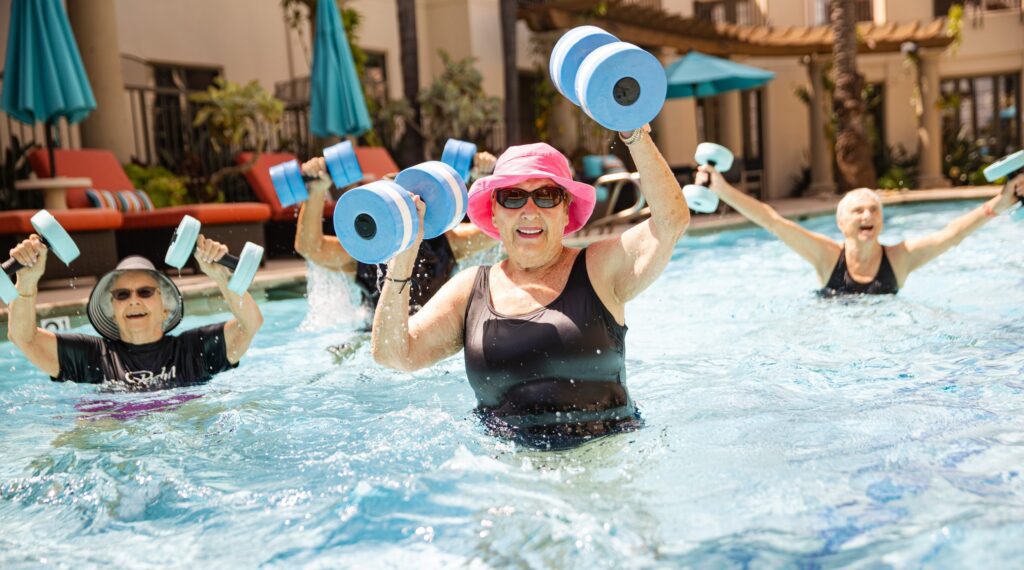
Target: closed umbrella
701,75
338,106
44,78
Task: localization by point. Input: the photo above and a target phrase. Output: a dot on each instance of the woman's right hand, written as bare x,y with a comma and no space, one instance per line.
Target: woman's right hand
31,254
403,264
706,172
317,167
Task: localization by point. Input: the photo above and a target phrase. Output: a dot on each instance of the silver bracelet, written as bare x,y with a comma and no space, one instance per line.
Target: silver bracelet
637,135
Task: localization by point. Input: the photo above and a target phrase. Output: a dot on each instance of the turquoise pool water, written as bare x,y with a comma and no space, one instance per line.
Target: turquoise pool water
781,430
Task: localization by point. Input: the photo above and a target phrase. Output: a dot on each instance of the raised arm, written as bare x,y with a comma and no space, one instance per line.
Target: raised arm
623,266
39,345
435,332
467,240
817,249
916,252
238,332
310,241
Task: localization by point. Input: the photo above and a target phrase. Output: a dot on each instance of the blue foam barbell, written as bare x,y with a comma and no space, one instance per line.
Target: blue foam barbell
376,221
290,183
54,236
459,155
243,267
698,197
619,85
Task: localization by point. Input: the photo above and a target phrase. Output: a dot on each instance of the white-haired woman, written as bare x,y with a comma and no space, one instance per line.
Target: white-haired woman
860,263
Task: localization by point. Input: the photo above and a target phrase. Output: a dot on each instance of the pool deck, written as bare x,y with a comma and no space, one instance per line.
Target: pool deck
64,305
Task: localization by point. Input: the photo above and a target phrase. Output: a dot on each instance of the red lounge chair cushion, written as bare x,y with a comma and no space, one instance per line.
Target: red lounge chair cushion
376,162
87,220
207,214
98,164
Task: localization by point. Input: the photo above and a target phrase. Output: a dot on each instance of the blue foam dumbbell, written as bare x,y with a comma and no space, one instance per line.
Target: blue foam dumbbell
698,197
617,84
376,221
290,183
1008,167
459,155
54,236
243,267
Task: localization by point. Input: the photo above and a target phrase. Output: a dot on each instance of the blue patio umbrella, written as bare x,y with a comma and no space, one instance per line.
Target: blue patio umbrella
44,78
701,75
338,106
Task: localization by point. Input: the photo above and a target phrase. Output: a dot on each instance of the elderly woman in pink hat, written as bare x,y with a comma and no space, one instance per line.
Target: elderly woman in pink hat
544,330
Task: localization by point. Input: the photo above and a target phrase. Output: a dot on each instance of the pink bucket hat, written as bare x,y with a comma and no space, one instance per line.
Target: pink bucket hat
527,162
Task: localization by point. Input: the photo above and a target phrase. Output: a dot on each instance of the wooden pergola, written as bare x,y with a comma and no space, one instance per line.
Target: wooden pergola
645,26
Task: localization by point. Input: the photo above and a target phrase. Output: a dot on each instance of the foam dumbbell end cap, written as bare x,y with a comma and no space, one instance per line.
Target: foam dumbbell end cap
288,183
57,241
442,190
342,164
245,267
1004,166
459,155
375,221
714,154
700,198
568,54
621,86
183,243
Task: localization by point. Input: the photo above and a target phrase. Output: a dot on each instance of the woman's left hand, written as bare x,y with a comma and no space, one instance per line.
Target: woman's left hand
1012,190
207,253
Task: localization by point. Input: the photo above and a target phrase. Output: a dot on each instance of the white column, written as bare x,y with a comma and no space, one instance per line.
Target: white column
95,27
930,132
822,175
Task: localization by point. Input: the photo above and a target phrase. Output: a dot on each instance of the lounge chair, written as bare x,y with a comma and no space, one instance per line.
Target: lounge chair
148,233
92,230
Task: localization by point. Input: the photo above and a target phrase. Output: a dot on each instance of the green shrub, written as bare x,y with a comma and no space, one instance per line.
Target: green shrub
162,186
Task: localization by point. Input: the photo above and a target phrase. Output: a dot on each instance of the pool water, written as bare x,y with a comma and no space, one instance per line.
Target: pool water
782,429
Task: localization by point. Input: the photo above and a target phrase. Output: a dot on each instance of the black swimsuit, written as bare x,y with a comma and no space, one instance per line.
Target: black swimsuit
842,283
434,265
554,377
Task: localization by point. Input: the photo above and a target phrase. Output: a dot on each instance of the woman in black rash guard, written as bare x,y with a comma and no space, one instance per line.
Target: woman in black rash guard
133,308
543,331
860,264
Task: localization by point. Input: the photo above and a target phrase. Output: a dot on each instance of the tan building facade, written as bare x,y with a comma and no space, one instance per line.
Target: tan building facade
186,41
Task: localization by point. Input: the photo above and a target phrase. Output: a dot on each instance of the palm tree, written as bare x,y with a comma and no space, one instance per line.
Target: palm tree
410,149
853,149
508,49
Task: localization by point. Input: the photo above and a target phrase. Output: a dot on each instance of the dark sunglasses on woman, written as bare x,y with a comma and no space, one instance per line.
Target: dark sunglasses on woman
125,294
515,198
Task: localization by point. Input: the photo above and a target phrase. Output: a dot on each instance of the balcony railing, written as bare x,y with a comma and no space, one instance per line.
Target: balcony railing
863,10
742,12
975,10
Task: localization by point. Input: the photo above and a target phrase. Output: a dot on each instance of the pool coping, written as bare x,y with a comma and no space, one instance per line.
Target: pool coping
64,307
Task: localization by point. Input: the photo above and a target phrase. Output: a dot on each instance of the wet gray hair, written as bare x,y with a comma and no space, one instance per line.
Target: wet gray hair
849,196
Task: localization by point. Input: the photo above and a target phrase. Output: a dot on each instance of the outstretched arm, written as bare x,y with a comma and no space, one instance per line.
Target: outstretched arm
916,252
467,240
39,345
238,332
632,261
310,241
435,332
817,249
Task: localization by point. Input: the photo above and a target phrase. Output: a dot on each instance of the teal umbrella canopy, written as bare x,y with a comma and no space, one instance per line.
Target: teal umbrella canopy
44,78
338,106
700,75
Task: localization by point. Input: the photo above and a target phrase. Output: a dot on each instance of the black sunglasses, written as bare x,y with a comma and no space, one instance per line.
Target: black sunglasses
125,294
515,198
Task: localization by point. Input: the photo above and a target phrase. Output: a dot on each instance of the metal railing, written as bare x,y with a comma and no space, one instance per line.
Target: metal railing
863,9
742,12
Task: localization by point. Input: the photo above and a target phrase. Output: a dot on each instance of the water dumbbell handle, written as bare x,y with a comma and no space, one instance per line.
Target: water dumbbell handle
707,183
12,266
